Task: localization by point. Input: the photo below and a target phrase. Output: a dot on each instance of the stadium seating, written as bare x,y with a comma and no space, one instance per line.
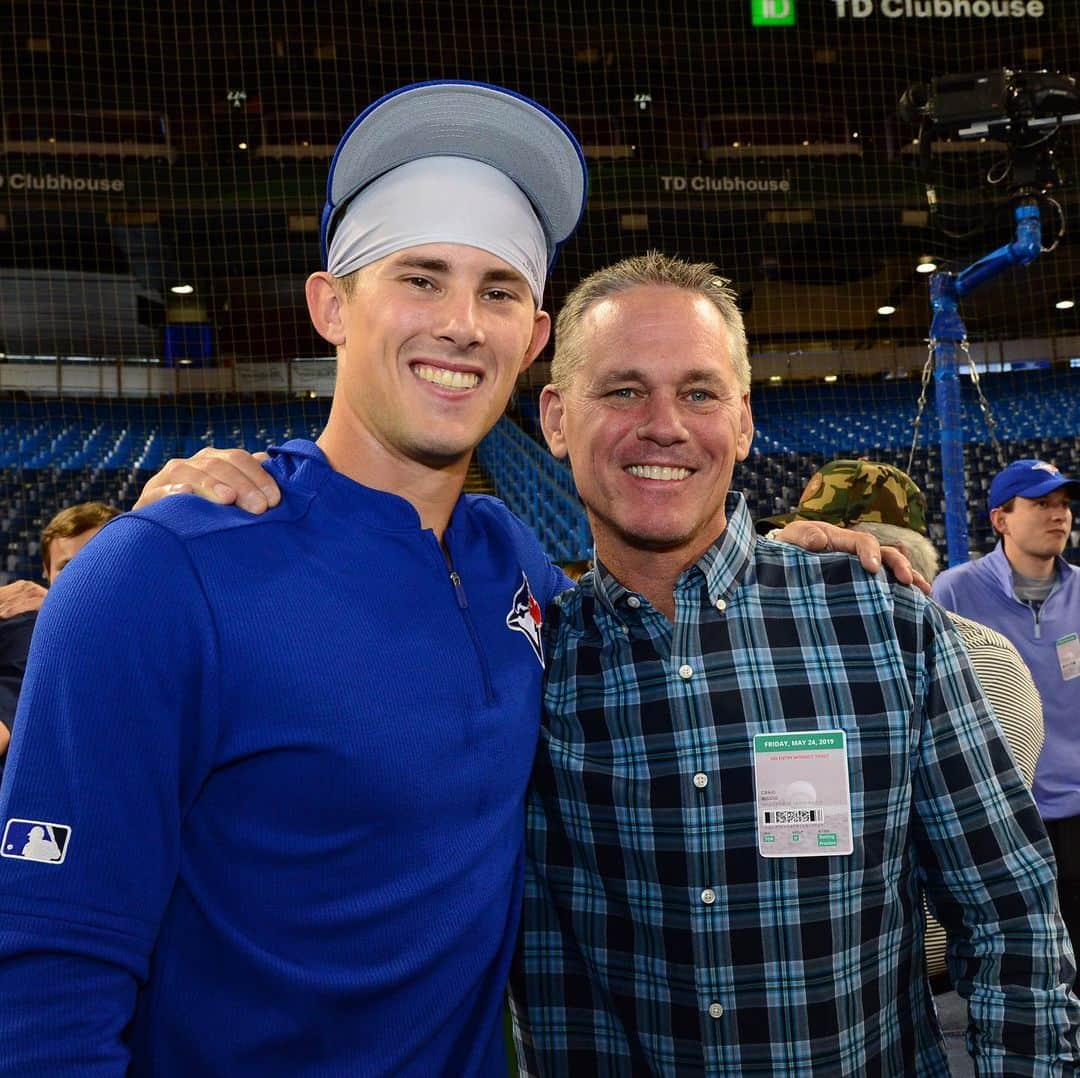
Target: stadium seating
56,452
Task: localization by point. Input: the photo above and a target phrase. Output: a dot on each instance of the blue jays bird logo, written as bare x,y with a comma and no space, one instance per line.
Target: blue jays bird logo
526,617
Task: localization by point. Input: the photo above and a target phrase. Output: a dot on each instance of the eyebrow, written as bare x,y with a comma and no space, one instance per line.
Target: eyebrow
636,374
432,265
495,275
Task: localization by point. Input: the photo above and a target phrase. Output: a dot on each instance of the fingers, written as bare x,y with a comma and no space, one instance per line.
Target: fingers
899,566
808,534
848,541
865,547
19,597
225,476
819,537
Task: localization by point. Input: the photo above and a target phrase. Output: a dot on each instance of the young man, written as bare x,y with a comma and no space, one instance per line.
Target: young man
69,531
754,761
1027,591
264,813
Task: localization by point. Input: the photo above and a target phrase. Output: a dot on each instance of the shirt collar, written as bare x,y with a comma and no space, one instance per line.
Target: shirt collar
720,568
1001,568
305,467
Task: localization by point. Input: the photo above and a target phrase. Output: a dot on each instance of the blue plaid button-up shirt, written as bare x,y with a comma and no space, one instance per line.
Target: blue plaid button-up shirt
657,941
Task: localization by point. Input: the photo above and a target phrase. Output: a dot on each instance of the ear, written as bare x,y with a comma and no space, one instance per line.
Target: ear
540,333
324,302
552,411
999,521
746,429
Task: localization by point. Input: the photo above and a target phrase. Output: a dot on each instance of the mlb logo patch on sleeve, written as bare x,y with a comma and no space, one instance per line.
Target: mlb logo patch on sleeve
35,840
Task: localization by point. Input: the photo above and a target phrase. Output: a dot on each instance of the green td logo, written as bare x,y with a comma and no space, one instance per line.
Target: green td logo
772,12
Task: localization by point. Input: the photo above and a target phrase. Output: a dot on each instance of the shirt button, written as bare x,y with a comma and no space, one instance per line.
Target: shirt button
686,672
716,1010
633,602
721,605
701,780
708,896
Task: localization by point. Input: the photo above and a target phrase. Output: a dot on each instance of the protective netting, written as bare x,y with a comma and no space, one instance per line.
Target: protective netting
163,169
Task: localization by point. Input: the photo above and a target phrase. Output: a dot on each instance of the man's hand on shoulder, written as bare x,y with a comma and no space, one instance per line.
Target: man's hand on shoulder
225,476
20,597
819,537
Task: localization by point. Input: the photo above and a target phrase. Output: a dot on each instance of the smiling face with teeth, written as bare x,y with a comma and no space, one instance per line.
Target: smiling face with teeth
430,341
653,421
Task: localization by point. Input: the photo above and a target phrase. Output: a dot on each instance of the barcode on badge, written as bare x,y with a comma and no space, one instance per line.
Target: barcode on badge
794,815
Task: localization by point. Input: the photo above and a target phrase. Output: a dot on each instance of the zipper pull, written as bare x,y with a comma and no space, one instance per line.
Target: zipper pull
459,591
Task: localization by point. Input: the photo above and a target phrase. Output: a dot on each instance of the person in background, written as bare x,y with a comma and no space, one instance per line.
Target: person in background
63,537
1030,594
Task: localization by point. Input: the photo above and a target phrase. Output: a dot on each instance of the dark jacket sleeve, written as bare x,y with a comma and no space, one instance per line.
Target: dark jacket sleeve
15,634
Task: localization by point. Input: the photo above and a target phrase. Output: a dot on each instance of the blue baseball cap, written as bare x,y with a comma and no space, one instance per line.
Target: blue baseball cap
1029,479
476,120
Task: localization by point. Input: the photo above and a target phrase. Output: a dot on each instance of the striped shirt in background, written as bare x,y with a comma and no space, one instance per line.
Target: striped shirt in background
1006,681
656,939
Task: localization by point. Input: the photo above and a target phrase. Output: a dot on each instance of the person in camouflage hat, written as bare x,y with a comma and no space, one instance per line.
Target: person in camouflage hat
845,492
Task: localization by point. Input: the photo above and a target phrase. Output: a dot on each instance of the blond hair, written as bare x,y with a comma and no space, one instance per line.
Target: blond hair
649,270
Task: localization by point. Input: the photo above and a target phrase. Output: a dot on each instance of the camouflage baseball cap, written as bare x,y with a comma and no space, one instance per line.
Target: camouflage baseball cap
845,492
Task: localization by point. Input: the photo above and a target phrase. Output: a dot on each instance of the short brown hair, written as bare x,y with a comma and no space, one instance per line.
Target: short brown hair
348,283
72,521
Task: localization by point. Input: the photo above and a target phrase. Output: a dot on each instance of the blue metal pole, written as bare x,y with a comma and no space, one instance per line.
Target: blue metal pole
947,331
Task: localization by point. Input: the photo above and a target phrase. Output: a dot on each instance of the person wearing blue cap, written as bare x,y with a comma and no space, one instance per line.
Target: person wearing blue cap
1030,594
264,806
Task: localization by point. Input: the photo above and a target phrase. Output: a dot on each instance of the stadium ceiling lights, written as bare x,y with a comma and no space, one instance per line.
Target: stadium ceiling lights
886,309
926,265
182,289
1065,304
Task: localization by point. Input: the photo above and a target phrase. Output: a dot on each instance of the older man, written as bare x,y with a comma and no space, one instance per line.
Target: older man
753,760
